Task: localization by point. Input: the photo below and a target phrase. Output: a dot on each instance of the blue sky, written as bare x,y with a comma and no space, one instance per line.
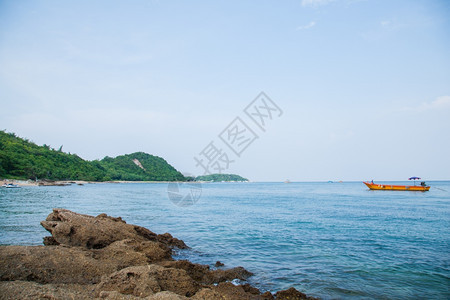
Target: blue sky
364,85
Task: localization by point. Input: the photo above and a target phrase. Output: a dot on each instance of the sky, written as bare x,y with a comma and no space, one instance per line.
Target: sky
359,89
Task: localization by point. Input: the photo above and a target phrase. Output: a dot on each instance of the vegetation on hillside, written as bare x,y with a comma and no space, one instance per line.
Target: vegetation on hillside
151,168
23,159
220,177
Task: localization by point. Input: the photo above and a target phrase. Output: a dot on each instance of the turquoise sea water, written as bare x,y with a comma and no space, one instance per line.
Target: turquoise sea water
330,240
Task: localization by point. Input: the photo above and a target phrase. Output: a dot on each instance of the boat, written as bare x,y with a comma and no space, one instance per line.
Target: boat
10,186
390,187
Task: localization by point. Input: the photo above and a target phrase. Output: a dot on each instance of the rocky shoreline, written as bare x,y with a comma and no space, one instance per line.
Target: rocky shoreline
103,257
43,182
47,182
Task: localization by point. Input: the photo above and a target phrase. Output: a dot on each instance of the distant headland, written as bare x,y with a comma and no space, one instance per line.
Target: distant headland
221,178
21,159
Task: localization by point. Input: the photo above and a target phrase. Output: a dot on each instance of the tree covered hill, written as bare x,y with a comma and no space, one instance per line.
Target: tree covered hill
23,159
140,166
221,177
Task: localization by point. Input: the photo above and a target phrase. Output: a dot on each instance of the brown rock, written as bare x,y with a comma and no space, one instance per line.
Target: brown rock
13,290
217,276
219,264
51,264
195,271
60,264
207,294
204,275
113,295
292,294
267,296
250,289
230,291
168,239
73,229
147,280
128,253
104,256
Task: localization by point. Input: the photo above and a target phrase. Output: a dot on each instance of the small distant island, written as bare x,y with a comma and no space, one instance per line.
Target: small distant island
221,178
21,159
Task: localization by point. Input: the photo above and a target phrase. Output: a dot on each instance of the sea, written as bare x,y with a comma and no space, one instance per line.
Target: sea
333,240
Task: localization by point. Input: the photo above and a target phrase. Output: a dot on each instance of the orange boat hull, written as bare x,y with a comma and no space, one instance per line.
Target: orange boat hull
390,187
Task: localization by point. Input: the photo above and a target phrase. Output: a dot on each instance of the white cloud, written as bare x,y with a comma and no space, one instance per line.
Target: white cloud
315,2
307,26
442,102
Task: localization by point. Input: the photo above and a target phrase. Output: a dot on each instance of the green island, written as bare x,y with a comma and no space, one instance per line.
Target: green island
221,177
23,159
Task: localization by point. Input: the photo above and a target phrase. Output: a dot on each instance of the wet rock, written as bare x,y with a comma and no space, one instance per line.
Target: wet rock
147,280
218,264
73,229
217,276
204,275
267,296
230,291
195,271
249,289
168,239
292,294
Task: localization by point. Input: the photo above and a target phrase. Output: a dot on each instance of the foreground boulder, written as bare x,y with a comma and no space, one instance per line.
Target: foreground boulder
61,264
73,229
104,257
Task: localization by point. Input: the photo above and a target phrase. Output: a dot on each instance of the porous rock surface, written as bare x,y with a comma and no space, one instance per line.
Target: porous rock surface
103,257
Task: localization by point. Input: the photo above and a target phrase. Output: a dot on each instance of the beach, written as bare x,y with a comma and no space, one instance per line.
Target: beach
46,182
22,183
